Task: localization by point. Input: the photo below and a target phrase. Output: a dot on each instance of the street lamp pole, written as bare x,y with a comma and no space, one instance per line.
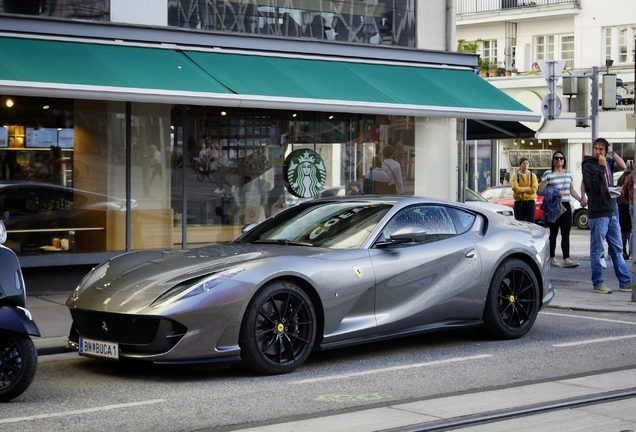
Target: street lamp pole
594,111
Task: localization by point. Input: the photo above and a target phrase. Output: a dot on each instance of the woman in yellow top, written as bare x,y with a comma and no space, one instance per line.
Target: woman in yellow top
524,189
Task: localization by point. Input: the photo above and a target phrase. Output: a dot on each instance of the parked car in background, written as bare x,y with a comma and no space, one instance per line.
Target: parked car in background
41,212
579,215
502,194
472,197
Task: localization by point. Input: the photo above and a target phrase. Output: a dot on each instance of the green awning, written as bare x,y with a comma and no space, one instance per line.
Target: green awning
35,67
479,129
88,70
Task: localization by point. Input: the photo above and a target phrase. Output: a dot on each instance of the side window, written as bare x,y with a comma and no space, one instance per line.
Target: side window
435,220
463,220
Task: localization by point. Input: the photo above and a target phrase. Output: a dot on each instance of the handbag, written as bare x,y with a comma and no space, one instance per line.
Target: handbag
562,210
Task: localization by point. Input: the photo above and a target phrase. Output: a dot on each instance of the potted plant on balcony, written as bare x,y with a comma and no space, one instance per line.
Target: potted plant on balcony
534,69
501,70
483,66
514,71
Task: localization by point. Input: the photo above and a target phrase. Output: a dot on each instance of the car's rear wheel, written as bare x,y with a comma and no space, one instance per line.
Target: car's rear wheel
278,330
581,219
512,304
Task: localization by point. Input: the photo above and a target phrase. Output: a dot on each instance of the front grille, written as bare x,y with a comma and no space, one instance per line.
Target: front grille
125,329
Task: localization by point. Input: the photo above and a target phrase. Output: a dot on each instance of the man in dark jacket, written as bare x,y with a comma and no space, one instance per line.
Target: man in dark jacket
603,222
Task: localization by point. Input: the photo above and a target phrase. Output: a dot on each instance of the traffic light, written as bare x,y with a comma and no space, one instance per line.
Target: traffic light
583,102
608,91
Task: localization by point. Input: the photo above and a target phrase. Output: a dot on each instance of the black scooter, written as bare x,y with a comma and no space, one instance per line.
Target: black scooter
18,356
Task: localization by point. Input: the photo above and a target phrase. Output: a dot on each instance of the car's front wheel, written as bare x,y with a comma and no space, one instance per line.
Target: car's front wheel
512,304
278,330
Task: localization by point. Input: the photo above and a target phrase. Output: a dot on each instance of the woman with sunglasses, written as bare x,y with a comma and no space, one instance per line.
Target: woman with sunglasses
560,179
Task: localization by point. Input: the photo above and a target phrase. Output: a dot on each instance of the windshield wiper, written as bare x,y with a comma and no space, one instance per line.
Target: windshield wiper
284,242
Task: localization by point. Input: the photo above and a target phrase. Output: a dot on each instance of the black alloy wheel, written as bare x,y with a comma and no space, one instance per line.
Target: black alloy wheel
512,305
278,330
18,364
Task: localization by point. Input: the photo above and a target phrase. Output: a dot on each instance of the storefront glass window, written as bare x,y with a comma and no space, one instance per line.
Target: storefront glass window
95,10
61,177
234,162
64,176
387,22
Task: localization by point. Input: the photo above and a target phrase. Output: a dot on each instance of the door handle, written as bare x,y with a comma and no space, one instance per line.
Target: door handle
470,253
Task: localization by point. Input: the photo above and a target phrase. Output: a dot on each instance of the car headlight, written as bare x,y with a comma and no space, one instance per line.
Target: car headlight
505,212
190,289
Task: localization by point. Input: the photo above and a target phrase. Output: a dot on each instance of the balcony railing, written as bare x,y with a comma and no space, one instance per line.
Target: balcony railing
481,6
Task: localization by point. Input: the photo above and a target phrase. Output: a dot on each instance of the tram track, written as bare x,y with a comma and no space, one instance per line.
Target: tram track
475,420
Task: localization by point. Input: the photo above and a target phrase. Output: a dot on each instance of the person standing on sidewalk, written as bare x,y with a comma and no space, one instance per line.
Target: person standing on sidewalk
603,220
562,180
524,190
614,163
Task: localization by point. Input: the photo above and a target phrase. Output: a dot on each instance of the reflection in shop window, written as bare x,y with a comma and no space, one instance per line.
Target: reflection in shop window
385,22
96,10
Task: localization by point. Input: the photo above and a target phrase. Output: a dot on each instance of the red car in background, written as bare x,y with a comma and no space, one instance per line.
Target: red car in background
502,194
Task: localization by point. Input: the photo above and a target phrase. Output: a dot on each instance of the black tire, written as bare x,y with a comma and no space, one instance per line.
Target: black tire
512,304
278,330
18,364
582,220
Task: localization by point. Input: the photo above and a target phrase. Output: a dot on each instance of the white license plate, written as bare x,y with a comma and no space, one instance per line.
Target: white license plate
96,348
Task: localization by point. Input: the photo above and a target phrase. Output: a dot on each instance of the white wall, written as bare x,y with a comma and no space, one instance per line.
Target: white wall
435,158
431,25
594,16
143,12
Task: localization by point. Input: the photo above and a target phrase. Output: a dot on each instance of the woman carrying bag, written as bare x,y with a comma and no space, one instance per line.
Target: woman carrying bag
560,179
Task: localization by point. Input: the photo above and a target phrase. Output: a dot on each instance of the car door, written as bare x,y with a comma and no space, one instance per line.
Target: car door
421,283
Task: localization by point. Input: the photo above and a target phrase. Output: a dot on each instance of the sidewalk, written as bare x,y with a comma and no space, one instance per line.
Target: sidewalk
573,285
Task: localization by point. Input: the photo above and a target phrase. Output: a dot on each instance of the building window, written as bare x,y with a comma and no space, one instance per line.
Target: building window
618,44
489,52
622,45
567,51
380,23
92,10
545,47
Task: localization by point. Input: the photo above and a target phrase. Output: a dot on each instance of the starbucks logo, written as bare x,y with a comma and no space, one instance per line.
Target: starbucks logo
304,173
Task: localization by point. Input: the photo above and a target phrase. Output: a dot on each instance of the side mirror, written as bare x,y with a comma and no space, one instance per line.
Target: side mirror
409,234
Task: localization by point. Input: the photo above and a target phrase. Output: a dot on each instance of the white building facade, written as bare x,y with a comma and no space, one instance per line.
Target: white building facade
583,33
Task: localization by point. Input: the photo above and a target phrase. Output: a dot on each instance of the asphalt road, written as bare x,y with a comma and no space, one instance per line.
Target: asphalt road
76,394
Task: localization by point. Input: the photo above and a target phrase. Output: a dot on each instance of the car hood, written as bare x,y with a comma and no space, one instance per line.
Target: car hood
131,282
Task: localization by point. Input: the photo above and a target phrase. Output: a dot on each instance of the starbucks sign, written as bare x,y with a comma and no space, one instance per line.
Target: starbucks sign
304,173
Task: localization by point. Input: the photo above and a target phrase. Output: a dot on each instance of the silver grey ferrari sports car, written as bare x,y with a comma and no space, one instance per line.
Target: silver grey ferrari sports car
322,274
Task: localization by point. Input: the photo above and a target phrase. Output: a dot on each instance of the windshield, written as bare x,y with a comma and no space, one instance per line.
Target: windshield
340,225
492,193
471,195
